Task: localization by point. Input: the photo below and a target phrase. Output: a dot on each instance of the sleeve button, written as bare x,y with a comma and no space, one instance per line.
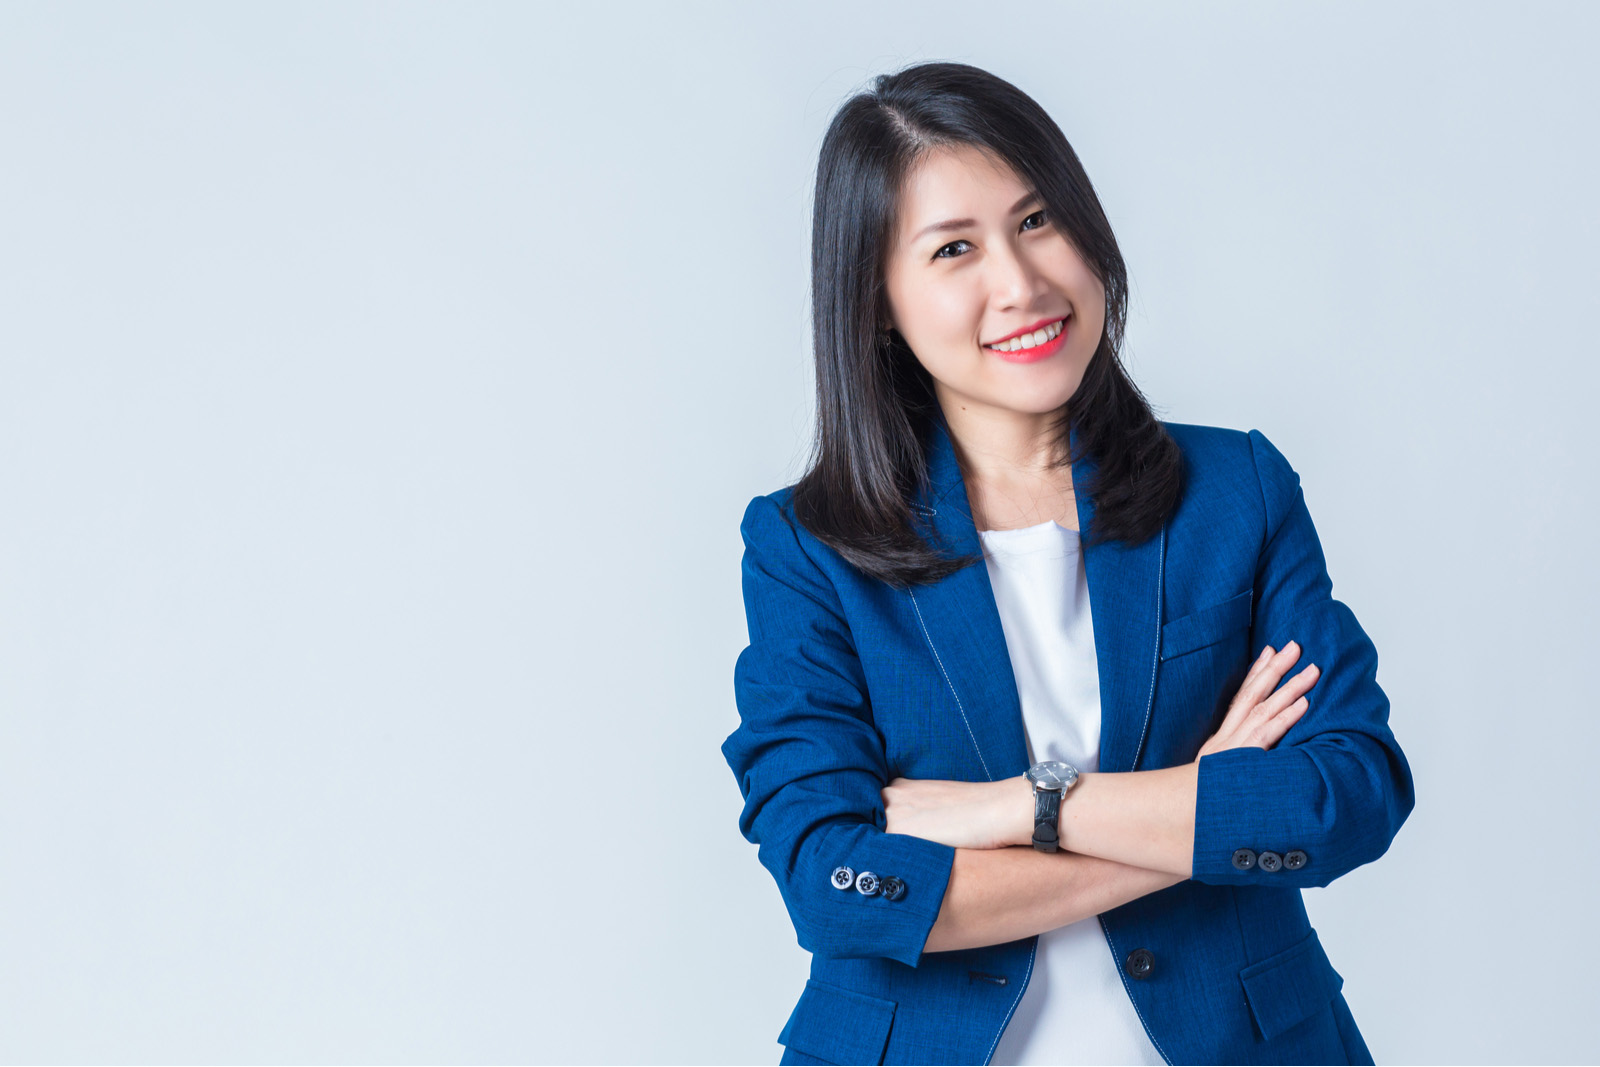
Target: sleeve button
1244,859
866,883
1294,859
843,877
1270,861
892,887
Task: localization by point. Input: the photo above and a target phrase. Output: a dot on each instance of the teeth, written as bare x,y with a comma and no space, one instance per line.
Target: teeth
1029,340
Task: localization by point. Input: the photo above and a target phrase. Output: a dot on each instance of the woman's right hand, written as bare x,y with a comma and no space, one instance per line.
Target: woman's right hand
1258,716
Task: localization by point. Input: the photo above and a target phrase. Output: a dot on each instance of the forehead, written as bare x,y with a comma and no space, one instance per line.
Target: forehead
954,182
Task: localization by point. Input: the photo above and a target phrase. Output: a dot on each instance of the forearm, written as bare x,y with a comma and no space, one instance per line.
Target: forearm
1002,894
1140,818
1144,818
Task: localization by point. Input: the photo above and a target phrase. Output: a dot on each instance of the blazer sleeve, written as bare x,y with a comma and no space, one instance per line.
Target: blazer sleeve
810,762
1336,786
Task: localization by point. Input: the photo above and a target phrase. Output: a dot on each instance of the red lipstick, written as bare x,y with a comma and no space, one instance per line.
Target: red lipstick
1038,352
1041,324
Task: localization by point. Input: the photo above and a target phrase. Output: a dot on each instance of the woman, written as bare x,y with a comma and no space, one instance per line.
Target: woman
1026,792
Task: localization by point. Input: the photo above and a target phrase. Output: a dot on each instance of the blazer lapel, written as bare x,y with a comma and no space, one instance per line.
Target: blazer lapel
961,622
1125,593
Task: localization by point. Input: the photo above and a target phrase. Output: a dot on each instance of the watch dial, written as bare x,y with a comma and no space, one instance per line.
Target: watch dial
1053,774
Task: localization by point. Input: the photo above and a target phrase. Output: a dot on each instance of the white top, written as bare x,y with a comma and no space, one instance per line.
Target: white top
1075,1008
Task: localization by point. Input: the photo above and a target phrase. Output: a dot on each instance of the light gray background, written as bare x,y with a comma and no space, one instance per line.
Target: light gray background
381,386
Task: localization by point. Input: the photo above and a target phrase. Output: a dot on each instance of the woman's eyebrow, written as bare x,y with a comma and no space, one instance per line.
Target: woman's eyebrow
956,224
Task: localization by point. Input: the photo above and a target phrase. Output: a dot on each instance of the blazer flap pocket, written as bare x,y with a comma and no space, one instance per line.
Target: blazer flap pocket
1286,988
1207,626
839,1025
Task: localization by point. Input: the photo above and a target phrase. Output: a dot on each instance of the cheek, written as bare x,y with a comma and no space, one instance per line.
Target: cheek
945,322
1094,299
1075,277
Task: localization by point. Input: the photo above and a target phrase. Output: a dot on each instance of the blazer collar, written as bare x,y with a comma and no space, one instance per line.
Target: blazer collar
961,623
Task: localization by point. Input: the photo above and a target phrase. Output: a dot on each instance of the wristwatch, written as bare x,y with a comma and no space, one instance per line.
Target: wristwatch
1051,779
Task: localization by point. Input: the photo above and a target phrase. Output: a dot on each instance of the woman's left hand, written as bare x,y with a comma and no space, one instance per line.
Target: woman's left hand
961,814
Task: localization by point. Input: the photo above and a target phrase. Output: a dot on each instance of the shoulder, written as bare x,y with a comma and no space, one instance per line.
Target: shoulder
1211,446
769,522
1221,462
770,515
1224,446
772,534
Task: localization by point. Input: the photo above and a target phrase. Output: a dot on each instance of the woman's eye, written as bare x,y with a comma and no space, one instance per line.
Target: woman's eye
941,253
1042,215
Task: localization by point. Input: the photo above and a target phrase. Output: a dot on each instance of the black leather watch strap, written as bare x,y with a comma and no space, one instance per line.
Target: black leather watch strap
1046,813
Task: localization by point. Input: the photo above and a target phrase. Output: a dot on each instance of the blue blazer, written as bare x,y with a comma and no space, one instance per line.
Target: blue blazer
848,683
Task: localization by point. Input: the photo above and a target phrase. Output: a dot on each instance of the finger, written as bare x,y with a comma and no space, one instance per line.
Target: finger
1271,673
1284,721
1248,695
1259,681
1261,661
1291,691
1302,682
1291,714
1272,730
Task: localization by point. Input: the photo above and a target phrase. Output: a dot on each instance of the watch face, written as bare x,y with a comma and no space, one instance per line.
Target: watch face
1053,774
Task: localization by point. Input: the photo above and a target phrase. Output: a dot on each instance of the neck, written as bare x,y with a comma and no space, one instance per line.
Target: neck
1014,471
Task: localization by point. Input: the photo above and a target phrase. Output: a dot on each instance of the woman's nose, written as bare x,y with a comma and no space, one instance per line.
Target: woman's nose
1014,281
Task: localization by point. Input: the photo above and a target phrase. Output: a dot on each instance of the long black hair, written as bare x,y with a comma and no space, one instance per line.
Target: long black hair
875,401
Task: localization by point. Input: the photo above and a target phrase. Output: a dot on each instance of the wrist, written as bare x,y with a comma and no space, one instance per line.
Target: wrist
1022,822
1019,811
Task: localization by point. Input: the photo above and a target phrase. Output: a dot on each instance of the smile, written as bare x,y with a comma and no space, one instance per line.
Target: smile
1027,347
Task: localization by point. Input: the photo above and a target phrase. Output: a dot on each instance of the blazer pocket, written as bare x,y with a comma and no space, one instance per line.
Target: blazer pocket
1291,986
1207,626
838,1025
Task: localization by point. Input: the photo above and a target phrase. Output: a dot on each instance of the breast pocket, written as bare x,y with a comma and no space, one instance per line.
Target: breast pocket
1209,625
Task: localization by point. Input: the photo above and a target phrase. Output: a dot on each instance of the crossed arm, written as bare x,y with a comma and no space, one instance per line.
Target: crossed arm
1123,835
818,793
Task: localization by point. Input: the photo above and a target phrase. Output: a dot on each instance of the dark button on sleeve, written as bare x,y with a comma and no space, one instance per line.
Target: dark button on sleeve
1140,962
1270,861
866,883
843,877
892,887
1294,859
1244,859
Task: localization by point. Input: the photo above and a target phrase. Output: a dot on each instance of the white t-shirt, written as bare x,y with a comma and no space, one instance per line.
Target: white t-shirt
1075,1008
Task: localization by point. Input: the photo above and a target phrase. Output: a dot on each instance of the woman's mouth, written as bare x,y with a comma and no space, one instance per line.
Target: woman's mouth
1030,347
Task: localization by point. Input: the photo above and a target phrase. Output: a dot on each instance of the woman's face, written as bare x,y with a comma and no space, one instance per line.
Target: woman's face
974,260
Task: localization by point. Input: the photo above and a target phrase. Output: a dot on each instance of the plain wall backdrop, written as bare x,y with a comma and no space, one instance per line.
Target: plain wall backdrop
382,385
